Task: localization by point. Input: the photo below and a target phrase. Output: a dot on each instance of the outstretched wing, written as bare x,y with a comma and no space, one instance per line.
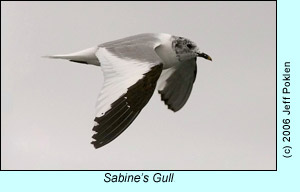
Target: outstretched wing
176,83
130,73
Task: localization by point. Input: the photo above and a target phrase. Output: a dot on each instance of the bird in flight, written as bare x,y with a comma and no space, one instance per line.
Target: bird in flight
133,67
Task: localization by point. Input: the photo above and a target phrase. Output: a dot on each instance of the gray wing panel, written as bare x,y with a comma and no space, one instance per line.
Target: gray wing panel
136,39
138,47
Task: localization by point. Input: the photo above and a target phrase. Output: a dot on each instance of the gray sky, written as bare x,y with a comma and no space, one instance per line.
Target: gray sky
48,106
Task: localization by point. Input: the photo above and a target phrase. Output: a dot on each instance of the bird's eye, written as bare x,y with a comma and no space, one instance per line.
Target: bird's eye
190,46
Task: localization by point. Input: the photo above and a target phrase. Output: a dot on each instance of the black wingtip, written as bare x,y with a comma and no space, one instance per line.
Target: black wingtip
165,100
96,145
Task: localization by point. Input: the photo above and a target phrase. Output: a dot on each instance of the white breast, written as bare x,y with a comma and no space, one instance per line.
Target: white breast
165,51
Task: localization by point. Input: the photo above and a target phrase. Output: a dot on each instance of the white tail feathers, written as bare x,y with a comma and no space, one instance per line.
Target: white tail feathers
86,56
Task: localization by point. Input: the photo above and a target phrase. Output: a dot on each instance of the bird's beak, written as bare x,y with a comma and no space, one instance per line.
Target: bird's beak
204,55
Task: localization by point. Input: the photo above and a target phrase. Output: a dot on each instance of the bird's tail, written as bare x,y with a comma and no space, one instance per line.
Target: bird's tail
86,56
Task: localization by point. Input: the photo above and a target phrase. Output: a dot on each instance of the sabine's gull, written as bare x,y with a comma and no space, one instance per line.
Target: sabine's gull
132,67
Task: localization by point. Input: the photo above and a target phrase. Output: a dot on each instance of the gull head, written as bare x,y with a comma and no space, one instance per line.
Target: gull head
185,49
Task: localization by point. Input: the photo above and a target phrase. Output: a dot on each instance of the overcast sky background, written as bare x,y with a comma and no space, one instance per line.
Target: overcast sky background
48,106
